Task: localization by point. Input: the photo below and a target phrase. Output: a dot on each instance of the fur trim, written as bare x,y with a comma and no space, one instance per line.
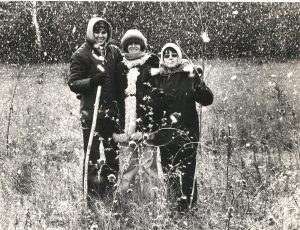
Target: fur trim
188,68
130,115
136,136
122,137
131,81
154,71
130,102
185,66
132,63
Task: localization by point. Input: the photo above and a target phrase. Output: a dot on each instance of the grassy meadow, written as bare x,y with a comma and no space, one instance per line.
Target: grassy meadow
248,168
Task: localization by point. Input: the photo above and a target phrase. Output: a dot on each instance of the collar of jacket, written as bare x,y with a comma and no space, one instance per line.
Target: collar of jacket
184,66
133,63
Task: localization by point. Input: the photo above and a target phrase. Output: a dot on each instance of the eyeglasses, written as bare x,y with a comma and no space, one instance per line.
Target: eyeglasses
174,55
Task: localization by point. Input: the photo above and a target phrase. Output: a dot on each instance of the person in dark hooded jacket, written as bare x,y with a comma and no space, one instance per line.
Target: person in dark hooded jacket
92,65
177,87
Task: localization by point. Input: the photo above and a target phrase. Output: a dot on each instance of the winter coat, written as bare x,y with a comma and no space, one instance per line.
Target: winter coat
84,66
134,88
178,108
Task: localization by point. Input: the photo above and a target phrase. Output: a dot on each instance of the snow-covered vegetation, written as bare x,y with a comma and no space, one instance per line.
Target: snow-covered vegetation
254,184
249,161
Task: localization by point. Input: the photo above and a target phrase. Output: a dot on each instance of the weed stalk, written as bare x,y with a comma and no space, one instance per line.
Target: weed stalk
229,153
11,109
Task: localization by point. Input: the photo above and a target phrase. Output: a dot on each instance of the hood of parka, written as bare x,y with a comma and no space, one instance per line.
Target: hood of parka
89,31
175,47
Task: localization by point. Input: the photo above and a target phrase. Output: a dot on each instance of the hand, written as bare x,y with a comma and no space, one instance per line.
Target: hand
98,79
198,71
203,94
200,87
157,97
157,93
169,99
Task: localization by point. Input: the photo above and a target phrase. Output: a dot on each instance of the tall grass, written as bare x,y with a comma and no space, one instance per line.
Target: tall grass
256,187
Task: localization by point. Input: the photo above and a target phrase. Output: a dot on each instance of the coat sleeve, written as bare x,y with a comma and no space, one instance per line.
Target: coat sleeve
202,93
110,84
79,82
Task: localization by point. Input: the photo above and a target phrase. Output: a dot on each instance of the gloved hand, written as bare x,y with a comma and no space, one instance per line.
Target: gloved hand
157,97
98,79
200,87
203,94
198,71
169,99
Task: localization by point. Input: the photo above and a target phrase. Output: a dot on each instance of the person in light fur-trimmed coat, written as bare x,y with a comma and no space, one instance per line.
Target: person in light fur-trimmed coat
134,87
138,159
177,87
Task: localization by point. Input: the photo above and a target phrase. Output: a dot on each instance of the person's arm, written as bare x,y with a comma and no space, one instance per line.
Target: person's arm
202,93
79,81
120,95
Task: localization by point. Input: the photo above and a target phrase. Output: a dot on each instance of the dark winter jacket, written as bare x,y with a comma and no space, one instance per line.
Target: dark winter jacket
181,89
84,66
133,97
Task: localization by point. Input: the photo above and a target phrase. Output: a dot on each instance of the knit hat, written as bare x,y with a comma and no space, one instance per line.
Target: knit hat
133,36
173,46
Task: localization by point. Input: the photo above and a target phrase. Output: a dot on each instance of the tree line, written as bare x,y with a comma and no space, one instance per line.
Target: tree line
49,32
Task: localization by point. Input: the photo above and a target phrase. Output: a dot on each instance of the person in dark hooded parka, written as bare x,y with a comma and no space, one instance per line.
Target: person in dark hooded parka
94,64
177,87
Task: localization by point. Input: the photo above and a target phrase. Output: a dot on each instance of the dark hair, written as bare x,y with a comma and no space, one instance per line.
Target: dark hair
100,25
132,40
169,49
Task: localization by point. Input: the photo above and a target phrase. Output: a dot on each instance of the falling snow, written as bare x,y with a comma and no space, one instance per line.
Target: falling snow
233,29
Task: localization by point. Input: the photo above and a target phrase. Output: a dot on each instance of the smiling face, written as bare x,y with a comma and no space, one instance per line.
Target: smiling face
100,36
134,48
170,58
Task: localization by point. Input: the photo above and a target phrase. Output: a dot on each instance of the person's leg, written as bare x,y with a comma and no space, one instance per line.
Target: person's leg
93,182
187,169
112,162
94,154
171,173
111,166
178,160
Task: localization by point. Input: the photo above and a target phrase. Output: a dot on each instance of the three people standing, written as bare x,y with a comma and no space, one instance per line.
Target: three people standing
140,94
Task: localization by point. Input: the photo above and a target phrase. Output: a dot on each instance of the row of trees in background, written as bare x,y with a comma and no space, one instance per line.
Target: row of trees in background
50,31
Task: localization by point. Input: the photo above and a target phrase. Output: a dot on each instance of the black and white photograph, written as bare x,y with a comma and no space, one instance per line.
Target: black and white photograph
150,115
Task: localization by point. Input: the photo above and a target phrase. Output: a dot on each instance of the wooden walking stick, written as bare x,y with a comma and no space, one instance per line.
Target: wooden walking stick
91,137
205,39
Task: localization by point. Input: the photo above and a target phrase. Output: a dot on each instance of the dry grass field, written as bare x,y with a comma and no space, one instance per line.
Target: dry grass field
248,168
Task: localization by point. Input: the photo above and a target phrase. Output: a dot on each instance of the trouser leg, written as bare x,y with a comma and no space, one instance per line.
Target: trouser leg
178,162
187,168
104,130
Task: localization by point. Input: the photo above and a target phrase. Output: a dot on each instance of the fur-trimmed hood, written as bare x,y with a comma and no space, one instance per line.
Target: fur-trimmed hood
175,47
